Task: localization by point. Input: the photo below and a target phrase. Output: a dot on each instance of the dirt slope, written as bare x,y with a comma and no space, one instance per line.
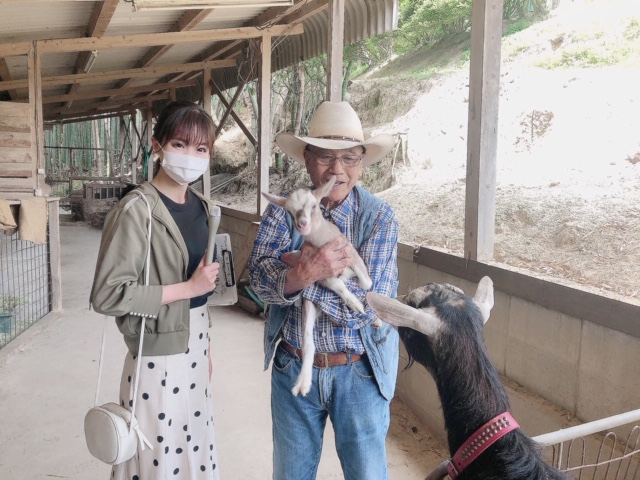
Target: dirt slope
568,179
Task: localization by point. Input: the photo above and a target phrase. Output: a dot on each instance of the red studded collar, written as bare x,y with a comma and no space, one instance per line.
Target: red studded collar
477,443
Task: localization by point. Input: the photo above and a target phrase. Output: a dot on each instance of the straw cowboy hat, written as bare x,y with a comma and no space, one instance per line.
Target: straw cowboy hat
336,126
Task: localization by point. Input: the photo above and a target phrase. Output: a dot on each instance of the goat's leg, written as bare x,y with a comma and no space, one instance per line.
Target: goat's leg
360,270
303,382
337,285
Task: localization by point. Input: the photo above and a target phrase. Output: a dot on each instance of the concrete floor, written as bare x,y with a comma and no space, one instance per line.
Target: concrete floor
48,378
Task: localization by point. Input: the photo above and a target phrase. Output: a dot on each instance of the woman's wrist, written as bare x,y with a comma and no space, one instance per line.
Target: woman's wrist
177,291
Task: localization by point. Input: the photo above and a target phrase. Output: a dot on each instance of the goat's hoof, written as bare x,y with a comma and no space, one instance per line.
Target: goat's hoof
355,304
300,389
359,307
377,323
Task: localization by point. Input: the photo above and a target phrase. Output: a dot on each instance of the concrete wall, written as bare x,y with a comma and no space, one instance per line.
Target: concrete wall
557,367
565,354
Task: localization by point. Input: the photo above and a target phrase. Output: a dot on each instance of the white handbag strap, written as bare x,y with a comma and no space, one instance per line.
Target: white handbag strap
106,318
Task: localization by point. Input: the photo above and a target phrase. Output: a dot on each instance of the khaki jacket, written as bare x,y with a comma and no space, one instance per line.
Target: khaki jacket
118,288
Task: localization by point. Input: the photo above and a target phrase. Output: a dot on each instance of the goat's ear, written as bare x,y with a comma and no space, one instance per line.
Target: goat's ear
280,201
400,315
484,297
324,190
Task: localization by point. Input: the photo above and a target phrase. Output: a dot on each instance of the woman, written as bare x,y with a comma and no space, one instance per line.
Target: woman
173,405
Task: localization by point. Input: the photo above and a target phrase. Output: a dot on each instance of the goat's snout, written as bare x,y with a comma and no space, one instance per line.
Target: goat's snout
304,227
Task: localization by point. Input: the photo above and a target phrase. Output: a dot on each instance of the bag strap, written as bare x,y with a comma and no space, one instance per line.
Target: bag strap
106,318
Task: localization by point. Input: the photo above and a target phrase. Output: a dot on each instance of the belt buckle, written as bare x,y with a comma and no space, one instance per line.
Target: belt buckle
326,360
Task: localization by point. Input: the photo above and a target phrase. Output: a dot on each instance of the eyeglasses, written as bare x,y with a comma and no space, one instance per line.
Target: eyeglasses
348,161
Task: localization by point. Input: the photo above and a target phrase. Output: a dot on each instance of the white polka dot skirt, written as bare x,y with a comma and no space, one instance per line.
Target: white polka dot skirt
174,411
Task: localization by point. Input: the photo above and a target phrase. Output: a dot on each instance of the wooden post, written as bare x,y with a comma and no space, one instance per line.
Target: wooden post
149,142
206,104
121,138
134,148
53,204
230,107
482,143
35,104
335,50
264,127
234,115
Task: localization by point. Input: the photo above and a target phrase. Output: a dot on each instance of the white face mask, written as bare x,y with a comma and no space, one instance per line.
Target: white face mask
184,169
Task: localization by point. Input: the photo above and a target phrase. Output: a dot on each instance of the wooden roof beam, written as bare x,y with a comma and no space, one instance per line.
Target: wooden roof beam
189,20
98,22
101,17
75,118
309,9
292,15
295,14
114,92
65,45
278,14
104,106
118,74
291,18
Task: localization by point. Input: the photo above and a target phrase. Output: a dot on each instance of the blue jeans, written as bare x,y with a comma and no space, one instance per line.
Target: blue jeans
349,396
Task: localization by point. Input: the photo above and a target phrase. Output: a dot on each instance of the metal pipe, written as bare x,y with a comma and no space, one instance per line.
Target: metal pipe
214,223
589,428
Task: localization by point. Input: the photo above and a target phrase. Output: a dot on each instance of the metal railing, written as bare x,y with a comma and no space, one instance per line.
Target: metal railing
24,285
30,277
605,449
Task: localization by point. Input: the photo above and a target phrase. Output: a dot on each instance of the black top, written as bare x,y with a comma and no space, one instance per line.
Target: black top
193,222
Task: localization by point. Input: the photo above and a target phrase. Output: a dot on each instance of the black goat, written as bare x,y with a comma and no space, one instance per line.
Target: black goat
441,329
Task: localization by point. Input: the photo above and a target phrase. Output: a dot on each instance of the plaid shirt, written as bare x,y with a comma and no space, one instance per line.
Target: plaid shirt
337,326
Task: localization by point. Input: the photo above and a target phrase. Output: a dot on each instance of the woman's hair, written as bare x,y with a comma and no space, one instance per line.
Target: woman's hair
187,121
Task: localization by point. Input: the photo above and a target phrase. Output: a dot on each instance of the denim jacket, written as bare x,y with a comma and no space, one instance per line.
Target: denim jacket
381,344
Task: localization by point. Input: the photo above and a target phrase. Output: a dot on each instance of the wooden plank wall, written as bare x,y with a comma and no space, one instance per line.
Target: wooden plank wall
17,151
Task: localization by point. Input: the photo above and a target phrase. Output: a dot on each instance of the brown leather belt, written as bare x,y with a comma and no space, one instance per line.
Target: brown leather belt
325,359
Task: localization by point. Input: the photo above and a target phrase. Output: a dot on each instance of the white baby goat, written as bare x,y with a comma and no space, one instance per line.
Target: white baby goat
304,206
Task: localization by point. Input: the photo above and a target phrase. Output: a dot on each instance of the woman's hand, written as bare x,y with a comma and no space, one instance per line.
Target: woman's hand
204,278
202,281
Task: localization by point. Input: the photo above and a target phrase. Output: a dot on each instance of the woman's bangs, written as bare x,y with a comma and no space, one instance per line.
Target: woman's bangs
195,129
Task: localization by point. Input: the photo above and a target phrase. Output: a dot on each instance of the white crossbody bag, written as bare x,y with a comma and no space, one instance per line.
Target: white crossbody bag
111,431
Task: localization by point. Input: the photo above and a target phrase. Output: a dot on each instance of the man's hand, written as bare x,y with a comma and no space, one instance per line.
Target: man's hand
312,264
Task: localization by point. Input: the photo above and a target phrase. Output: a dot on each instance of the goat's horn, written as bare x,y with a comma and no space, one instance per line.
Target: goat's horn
484,297
400,315
439,472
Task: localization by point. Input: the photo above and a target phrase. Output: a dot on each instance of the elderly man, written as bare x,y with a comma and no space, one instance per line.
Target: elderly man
355,366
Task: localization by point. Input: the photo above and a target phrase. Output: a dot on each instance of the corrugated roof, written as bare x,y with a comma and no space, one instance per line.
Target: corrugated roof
25,21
